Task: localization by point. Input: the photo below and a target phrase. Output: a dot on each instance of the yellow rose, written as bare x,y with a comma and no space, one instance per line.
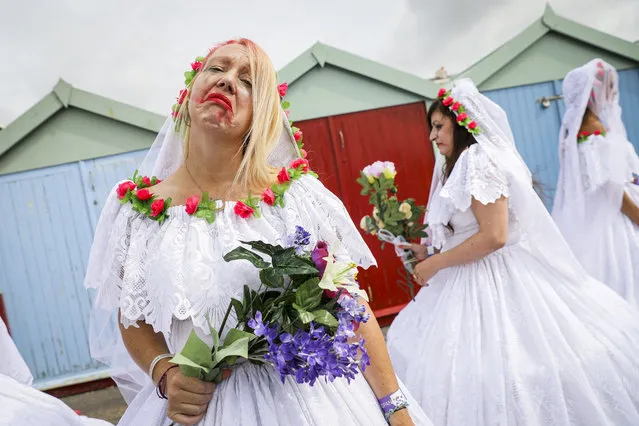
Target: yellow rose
406,209
389,174
363,223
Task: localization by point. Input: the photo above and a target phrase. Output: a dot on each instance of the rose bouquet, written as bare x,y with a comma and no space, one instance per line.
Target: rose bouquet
393,220
302,319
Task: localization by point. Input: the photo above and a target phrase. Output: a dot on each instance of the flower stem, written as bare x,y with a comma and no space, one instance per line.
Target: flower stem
226,317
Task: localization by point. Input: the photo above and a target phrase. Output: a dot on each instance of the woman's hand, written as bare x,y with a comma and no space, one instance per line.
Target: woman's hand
426,269
420,251
188,397
401,418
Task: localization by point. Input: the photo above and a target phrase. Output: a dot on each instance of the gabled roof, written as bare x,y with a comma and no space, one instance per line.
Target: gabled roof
64,95
321,55
549,22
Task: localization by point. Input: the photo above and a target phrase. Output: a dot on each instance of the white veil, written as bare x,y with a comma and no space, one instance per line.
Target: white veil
165,156
497,141
593,86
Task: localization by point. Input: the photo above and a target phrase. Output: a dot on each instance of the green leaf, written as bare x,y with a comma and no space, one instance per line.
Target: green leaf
263,247
286,105
196,350
309,295
236,334
288,263
189,367
305,315
214,375
242,253
239,348
322,316
272,278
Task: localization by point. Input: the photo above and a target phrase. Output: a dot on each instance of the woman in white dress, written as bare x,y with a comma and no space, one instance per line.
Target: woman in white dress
510,330
23,405
596,204
167,278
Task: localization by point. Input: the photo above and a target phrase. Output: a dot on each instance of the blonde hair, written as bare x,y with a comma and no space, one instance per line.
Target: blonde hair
266,122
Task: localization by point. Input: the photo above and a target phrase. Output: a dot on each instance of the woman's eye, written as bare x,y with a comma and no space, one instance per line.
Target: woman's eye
214,68
247,82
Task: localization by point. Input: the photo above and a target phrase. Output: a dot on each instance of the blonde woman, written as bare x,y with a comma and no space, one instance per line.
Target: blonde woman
168,277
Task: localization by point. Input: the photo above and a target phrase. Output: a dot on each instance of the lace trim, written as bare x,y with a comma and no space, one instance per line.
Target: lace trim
475,175
155,272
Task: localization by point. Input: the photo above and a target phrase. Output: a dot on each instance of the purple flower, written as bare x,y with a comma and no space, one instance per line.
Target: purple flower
319,254
300,239
261,329
307,356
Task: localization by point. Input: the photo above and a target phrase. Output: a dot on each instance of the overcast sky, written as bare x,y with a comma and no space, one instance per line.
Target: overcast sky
136,51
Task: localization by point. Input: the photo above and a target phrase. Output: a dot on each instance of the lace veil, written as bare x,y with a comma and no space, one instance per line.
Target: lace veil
600,164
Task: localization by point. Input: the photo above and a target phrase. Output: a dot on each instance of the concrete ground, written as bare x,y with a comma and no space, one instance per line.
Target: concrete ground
106,404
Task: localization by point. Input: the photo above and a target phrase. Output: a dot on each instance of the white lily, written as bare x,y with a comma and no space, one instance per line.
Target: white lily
340,275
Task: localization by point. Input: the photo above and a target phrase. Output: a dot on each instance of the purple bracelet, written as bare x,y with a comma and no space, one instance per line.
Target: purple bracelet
392,403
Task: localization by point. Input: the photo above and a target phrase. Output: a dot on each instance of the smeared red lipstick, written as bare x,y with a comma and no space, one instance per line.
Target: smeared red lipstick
220,99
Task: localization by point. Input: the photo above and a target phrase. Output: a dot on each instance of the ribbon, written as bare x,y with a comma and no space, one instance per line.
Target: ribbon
406,255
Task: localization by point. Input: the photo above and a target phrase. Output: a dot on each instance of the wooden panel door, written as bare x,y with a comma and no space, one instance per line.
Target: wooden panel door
398,134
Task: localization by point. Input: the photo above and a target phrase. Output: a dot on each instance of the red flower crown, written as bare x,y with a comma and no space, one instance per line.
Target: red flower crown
458,109
583,136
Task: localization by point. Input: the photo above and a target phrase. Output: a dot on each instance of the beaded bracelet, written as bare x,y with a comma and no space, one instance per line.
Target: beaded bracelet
392,403
160,390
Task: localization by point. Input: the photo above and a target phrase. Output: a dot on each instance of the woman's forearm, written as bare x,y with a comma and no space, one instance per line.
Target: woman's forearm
630,209
144,344
379,374
474,248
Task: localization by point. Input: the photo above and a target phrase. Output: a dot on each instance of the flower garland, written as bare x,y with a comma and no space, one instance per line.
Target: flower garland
458,109
583,136
136,192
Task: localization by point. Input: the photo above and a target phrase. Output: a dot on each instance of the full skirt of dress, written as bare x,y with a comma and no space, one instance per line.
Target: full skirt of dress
511,340
613,257
255,395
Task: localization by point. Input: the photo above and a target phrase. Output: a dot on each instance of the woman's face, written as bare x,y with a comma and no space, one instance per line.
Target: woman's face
222,94
441,133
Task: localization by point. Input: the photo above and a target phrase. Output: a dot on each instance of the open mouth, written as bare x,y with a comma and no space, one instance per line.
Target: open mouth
220,99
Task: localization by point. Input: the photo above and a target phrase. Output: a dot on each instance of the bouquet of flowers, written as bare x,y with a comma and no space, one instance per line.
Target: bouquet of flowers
393,220
302,319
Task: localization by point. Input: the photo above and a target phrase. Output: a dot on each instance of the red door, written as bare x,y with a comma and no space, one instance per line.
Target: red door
340,146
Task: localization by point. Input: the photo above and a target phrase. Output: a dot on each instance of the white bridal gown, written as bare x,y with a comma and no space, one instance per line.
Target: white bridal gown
172,275
513,338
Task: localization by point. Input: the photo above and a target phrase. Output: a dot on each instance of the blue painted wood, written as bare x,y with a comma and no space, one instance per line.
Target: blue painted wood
101,174
629,101
535,129
46,235
47,224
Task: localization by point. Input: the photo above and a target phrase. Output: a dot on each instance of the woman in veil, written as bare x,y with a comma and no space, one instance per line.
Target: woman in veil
511,330
163,271
596,204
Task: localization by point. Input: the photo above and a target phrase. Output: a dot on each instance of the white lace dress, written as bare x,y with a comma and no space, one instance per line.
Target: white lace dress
173,276
608,244
511,339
